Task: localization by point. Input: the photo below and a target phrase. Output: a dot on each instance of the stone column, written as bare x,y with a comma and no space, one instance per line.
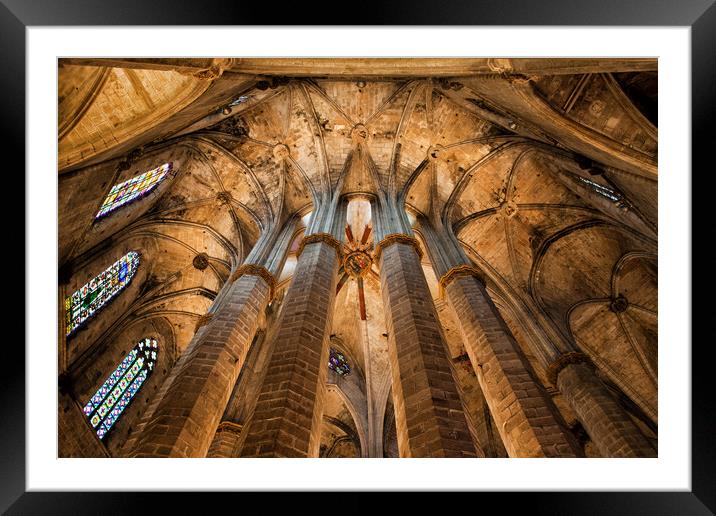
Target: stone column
226,440
375,416
287,418
528,421
429,413
184,421
604,419
614,433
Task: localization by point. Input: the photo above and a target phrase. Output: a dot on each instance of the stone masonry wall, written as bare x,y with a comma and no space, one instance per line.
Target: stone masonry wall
75,437
606,422
225,441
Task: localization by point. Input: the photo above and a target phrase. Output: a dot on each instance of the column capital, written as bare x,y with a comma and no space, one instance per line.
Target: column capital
202,321
394,238
562,361
321,237
460,270
256,270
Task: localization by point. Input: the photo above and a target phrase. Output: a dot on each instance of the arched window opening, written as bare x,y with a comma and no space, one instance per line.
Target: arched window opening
337,363
92,296
133,189
110,400
226,110
604,191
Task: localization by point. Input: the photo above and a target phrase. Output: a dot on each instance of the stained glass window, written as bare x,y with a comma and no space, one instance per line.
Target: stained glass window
116,393
238,100
337,362
602,190
614,196
92,296
132,189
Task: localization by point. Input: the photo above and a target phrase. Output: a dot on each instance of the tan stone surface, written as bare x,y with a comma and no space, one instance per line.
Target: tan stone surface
188,414
529,423
496,151
429,412
287,417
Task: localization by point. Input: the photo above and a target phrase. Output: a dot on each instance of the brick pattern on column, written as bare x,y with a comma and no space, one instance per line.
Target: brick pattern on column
429,414
606,422
137,429
201,382
287,419
528,421
226,440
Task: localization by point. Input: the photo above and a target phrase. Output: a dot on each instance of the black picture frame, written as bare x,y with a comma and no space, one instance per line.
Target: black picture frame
700,15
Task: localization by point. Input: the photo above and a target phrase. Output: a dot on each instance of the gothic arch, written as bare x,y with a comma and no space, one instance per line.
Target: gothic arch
591,302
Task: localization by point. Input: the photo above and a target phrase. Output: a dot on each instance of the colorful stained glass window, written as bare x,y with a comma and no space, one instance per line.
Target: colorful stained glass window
116,393
132,189
92,296
337,362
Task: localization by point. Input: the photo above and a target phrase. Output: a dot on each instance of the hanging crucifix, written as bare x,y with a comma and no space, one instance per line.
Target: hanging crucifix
356,264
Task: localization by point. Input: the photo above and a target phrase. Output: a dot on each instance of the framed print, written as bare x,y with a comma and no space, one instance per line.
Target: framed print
434,245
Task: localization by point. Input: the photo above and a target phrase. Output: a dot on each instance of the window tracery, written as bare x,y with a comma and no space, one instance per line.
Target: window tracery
600,189
93,295
116,393
604,191
134,188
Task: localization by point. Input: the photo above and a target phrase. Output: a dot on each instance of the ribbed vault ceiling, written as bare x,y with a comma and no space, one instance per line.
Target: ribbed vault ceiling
494,153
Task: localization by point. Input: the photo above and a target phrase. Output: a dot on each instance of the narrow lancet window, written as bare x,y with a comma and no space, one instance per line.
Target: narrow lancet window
602,190
337,363
116,393
132,189
606,192
92,296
